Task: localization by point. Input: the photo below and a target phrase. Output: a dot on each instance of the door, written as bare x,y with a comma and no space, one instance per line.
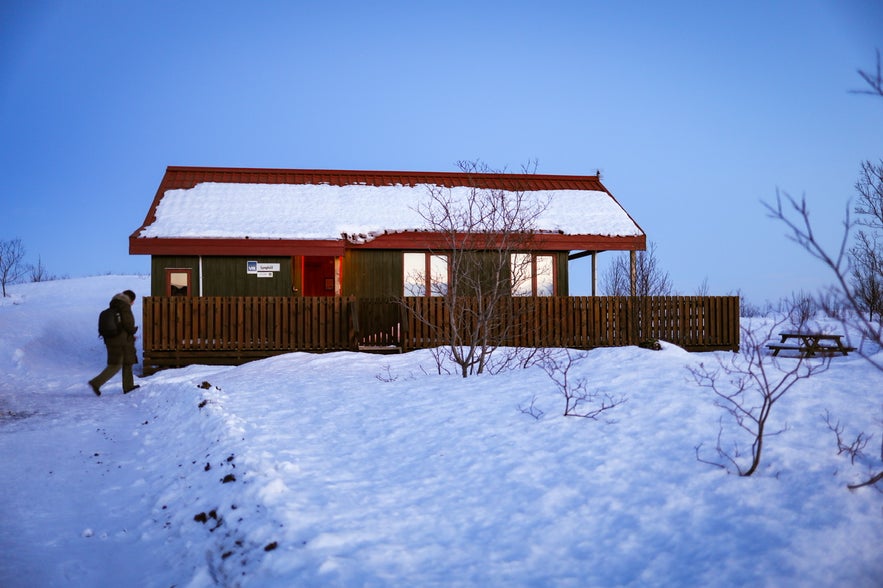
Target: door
320,276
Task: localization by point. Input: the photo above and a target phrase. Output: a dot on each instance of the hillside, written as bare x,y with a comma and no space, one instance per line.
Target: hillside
360,470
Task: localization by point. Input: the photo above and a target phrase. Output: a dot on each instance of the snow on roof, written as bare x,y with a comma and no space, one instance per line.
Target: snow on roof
321,211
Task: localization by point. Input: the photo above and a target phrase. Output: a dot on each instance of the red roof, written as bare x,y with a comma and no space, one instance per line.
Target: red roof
188,177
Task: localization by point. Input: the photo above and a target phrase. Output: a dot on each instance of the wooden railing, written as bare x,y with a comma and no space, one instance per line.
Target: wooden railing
696,323
229,330
182,330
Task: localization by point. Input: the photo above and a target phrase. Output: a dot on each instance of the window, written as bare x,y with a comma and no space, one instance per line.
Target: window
425,274
532,275
178,282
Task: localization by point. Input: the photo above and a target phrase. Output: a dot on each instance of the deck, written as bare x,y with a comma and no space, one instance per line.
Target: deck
179,331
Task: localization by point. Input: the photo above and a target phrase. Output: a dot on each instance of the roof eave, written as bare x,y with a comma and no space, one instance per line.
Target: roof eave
235,247
416,240
537,242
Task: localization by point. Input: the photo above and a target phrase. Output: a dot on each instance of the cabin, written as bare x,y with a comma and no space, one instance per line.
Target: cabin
272,232
336,239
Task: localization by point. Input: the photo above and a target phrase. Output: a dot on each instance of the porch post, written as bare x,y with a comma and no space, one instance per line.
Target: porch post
633,273
594,273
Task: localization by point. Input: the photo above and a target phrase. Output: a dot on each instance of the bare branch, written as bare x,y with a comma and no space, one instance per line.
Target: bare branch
532,409
579,400
874,80
853,449
869,482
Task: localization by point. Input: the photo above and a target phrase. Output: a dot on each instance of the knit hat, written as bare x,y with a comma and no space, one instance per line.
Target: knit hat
130,295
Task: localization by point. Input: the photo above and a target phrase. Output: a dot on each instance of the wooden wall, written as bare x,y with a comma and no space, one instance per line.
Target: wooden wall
159,264
372,273
364,273
224,276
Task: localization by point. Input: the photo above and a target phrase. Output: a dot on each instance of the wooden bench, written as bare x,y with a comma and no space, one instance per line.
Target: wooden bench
810,344
777,347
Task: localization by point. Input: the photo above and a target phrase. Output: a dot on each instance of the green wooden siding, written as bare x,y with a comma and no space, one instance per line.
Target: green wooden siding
365,274
223,276
160,263
373,273
562,284
227,276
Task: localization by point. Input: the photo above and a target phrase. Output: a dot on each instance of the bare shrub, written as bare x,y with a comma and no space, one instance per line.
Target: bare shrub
39,273
748,309
854,449
507,358
532,409
747,385
386,375
579,399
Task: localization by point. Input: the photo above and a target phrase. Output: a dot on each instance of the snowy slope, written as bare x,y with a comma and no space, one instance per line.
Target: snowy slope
361,470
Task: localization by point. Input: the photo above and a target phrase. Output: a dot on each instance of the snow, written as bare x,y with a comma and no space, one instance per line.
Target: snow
292,211
351,469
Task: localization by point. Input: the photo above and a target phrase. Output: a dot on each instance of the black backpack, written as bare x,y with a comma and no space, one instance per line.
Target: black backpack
108,323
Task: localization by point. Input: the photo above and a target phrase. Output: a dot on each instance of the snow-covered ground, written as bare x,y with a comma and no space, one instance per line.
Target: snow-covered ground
363,470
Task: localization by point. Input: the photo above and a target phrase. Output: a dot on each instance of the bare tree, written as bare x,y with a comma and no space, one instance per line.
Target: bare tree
12,267
855,271
484,231
840,300
866,273
866,255
747,385
801,309
39,273
702,289
650,278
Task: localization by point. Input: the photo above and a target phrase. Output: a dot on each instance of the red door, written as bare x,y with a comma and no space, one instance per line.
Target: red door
318,276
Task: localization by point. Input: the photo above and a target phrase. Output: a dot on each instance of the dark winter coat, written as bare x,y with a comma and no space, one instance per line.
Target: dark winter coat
122,347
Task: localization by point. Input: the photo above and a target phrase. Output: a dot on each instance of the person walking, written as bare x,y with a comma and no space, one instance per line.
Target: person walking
121,352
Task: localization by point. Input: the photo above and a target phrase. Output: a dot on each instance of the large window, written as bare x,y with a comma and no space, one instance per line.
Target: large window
425,274
532,275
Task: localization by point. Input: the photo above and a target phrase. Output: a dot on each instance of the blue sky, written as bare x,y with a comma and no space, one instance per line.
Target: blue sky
694,112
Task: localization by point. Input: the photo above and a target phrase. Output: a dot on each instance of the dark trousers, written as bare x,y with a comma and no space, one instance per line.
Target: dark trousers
110,371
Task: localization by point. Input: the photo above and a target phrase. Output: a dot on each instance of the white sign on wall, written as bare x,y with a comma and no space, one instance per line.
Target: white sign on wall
263,270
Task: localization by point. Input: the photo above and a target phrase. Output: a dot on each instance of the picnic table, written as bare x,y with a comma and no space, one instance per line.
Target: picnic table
811,344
